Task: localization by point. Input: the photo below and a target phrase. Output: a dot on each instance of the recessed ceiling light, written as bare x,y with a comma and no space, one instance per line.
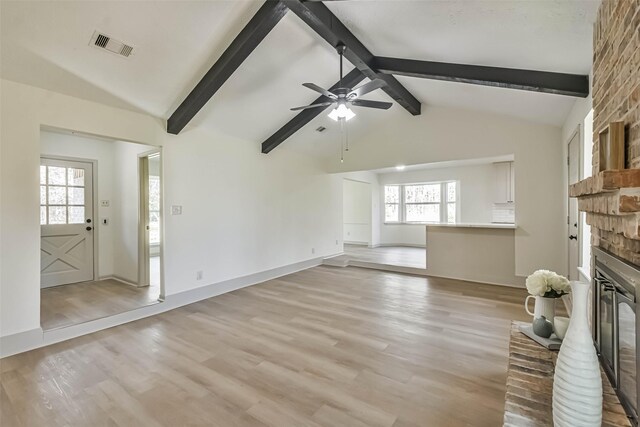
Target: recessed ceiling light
400,167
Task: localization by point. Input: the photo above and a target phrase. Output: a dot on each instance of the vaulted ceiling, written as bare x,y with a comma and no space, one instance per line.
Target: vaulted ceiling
46,44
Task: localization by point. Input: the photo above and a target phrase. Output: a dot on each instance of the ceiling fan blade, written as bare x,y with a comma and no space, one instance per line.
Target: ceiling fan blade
320,90
366,88
371,104
323,104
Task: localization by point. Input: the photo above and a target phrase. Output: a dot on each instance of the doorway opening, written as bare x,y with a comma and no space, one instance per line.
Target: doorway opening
91,264
150,167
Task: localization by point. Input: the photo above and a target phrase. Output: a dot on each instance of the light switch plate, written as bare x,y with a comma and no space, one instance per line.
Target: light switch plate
176,210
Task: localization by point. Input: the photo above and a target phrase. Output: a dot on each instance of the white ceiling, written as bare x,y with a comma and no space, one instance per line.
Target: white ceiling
46,44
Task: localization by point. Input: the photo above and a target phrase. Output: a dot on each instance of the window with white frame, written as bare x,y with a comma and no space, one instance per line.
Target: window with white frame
417,203
392,203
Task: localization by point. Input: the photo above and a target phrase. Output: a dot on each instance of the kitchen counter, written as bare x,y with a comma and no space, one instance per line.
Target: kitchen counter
475,225
475,252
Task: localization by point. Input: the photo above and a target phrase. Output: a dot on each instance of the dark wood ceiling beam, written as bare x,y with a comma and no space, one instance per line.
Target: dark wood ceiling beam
269,14
511,78
305,116
317,16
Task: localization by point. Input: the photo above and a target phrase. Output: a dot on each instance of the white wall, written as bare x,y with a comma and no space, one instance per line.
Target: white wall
125,209
447,134
243,211
475,199
356,211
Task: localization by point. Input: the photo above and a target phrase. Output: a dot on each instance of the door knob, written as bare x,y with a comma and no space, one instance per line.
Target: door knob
89,228
573,237
88,220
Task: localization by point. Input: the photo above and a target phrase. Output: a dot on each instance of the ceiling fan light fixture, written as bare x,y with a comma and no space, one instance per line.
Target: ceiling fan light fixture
342,112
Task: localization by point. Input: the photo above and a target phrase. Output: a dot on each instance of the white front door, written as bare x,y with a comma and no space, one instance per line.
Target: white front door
574,219
66,222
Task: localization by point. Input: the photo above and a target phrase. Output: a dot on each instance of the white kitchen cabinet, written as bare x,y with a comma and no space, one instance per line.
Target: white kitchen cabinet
504,182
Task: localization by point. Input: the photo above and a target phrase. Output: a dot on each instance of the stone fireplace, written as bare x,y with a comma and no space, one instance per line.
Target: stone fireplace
611,198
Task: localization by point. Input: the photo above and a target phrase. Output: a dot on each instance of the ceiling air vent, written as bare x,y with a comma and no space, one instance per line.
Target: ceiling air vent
105,42
321,129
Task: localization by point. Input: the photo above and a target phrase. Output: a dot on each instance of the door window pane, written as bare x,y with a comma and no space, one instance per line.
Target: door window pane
43,215
57,176
76,195
422,213
76,214
43,174
57,214
76,177
43,194
57,195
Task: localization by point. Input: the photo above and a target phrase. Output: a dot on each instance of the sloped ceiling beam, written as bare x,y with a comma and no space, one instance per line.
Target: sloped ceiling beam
305,116
249,38
511,78
317,16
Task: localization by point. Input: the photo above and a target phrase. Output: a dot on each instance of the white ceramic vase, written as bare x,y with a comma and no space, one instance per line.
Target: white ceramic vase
543,307
577,384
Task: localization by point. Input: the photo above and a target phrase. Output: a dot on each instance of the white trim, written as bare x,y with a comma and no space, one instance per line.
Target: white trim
580,160
404,245
119,279
584,274
18,343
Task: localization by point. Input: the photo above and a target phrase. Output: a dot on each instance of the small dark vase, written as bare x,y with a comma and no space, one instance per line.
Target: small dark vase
542,327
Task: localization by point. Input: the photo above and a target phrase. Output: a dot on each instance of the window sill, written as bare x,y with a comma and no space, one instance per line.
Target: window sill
417,223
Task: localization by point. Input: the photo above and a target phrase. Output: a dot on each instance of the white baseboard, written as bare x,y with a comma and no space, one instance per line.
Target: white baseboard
402,245
29,340
348,242
119,279
22,341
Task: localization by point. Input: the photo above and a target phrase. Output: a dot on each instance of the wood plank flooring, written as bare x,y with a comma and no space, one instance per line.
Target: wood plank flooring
321,347
80,302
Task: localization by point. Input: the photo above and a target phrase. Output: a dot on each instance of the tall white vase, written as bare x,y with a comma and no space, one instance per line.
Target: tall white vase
577,384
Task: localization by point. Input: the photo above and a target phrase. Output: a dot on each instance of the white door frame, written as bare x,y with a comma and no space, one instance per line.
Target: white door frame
577,132
94,186
143,241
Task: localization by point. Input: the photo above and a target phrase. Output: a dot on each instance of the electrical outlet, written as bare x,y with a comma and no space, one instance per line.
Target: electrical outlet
199,275
336,241
104,203
313,250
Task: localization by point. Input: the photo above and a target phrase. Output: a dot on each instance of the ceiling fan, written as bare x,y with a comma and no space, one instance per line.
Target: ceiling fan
343,97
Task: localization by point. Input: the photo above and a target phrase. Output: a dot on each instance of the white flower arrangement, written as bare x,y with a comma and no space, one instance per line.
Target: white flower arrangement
547,284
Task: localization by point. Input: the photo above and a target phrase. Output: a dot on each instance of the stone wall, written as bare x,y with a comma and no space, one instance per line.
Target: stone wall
612,199
616,74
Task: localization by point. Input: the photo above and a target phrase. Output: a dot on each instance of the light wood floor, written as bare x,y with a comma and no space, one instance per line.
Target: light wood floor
80,302
321,347
390,255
